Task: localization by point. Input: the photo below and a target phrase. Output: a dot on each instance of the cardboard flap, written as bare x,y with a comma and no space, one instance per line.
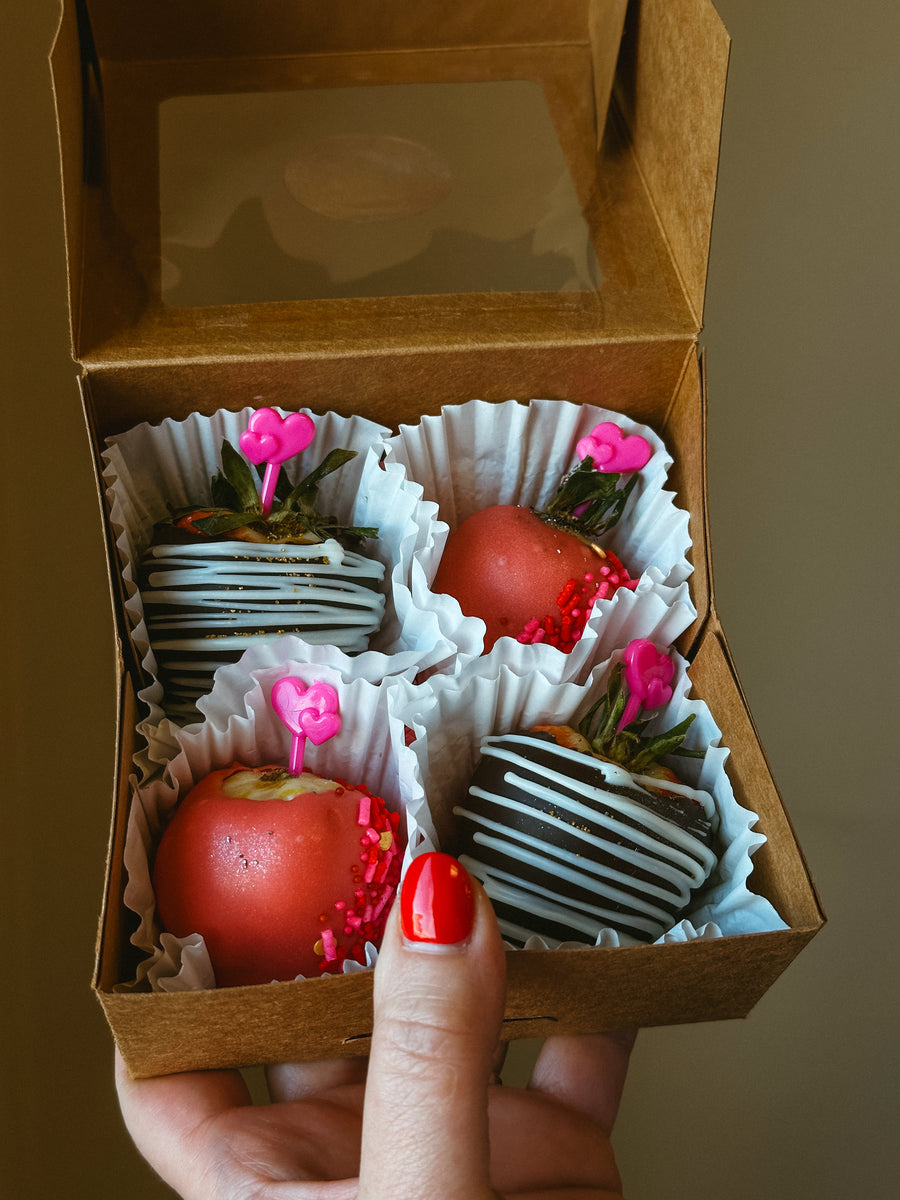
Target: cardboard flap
72,88
670,88
635,268
209,28
779,869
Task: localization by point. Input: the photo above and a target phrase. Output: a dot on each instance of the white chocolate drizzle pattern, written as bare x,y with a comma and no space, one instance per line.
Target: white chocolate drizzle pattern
207,602
571,846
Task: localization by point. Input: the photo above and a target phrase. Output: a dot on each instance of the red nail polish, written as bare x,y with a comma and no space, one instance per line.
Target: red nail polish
436,903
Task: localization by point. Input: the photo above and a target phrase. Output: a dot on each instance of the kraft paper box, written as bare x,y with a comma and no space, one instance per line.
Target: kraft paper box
217,256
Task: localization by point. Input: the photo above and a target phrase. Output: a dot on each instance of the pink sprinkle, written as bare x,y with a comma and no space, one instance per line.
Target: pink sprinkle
370,872
385,897
603,591
328,945
365,808
589,577
605,570
372,836
340,905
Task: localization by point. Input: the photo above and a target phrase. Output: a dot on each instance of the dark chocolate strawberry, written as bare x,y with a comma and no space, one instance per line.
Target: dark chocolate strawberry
252,565
573,830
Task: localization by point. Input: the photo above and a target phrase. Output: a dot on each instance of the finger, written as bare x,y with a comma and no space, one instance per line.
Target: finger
440,985
301,1081
577,1193
163,1115
587,1073
203,1136
538,1144
498,1058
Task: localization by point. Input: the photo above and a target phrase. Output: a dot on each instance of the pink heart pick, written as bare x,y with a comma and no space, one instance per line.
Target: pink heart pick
648,673
269,437
611,450
308,712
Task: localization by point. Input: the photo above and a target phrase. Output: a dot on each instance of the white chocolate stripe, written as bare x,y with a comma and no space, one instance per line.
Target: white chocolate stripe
229,622
229,595
630,902
330,550
529,899
582,871
674,870
613,774
264,575
689,854
283,598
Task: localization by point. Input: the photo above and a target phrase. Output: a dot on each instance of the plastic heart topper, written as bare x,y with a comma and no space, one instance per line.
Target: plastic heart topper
271,439
611,450
308,712
647,673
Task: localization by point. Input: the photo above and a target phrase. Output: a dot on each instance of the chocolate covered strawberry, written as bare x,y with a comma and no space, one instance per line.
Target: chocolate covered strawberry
573,830
255,563
535,575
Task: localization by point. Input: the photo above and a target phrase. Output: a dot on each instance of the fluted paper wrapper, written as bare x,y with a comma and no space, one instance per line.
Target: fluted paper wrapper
152,469
451,717
240,725
479,454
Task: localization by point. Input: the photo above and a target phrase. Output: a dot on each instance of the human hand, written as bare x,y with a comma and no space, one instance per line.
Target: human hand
423,1118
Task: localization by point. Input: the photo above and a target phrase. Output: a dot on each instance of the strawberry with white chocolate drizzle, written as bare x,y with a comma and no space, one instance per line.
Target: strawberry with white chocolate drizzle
254,564
573,830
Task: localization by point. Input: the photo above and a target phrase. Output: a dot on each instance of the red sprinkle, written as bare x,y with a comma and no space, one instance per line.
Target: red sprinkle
575,601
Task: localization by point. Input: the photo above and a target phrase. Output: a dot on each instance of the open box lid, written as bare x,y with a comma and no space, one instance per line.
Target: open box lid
465,113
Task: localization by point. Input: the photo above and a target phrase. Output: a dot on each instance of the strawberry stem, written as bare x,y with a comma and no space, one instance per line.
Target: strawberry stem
588,502
280,513
629,747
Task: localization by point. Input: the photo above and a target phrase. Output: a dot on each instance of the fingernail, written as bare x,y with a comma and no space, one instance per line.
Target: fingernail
437,907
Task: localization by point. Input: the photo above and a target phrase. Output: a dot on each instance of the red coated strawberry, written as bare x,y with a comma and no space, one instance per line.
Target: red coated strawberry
282,874
535,575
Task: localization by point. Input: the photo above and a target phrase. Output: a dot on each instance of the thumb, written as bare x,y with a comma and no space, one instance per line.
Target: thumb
440,985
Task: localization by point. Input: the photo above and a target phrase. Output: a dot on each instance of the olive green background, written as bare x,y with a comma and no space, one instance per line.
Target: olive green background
802,339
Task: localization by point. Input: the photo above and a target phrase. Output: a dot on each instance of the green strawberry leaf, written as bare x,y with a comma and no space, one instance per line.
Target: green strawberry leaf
629,747
239,475
218,523
589,502
303,496
293,518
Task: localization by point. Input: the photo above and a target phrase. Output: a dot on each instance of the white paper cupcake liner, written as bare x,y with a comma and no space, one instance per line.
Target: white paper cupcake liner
478,454
151,469
241,726
453,714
